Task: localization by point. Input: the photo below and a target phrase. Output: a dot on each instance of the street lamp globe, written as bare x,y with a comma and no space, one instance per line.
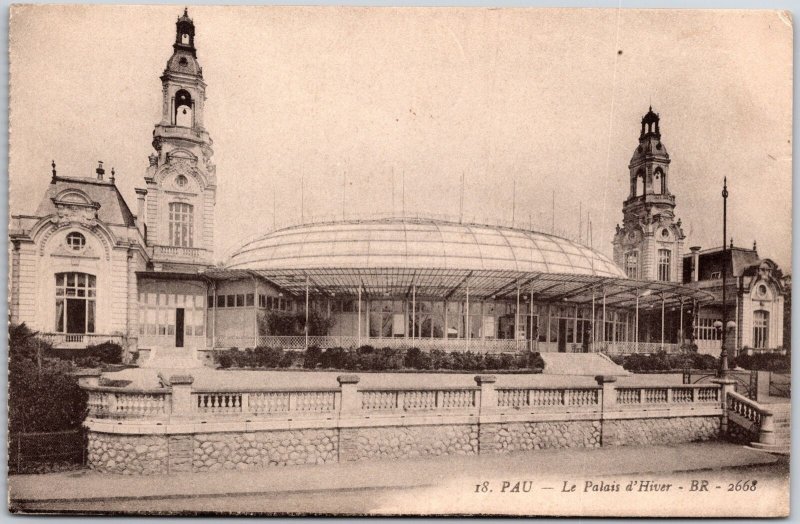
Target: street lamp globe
731,325
718,325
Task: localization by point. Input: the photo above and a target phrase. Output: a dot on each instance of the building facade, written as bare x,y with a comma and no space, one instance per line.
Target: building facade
85,269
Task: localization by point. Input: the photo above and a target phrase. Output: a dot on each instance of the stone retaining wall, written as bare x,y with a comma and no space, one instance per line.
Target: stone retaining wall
128,454
409,441
523,436
242,451
628,432
146,455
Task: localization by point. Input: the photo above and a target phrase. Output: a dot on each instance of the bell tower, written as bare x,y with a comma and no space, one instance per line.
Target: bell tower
649,244
181,178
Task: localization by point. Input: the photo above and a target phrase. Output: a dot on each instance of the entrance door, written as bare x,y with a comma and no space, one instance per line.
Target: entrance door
562,335
179,327
76,316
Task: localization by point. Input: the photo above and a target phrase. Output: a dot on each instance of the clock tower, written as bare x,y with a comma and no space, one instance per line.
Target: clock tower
181,178
649,244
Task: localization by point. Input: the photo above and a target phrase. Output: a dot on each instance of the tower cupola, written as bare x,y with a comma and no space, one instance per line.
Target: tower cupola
184,34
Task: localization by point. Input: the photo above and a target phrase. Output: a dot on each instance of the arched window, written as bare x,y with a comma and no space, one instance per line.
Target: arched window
639,183
184,106
664,264
657,183
185,39
181,224
75,302
632,264
760,329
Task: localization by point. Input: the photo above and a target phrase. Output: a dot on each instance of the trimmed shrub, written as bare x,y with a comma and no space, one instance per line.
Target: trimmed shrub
312,357
765,361
415,358
90,357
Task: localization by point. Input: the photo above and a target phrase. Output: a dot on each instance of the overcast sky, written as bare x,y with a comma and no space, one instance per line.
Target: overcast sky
550,98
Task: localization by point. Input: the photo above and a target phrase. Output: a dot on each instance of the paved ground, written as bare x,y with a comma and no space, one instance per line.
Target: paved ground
396,486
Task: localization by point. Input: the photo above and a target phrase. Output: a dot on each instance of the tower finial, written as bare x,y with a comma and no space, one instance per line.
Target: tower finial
53,180
112,176
731,242
754,246
186,11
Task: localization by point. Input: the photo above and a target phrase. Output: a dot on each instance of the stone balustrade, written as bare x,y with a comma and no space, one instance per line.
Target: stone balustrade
241,428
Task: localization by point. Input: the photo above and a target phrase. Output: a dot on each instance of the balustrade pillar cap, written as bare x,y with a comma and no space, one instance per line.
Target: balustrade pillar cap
485,379
348,379
605,379
181,380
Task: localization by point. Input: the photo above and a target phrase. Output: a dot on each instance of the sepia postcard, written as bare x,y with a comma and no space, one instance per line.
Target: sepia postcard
399,261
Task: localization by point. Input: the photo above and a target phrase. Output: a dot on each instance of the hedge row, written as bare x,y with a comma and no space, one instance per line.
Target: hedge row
765,361
661,361
368,358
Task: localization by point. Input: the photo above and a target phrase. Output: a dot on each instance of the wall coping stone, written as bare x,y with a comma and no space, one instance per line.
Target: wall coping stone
348,379
179,380
485,379
604,379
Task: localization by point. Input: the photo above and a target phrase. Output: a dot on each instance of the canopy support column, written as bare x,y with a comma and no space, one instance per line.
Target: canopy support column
516,322
681,338
604,317
255,312
636,325
594,315
662,322
359,317
466,338
413,312
306,327
214,316
530,316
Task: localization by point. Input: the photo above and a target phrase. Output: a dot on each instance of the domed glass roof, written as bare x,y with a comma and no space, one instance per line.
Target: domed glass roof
419,244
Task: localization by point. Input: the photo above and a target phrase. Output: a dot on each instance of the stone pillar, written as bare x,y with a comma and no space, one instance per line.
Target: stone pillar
766,432
181,395
727,385
695,263
350,402
140,210
487,432
608,402
88,377
350,406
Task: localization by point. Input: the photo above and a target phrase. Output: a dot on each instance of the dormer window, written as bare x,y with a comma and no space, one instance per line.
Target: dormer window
76,241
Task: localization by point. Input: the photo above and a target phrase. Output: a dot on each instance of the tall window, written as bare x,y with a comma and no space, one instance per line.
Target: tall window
664,264
760,329
181,224
75,302
632,264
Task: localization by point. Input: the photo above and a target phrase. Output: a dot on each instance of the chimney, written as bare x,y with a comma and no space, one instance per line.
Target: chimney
112,176
100,171
695,263
140,194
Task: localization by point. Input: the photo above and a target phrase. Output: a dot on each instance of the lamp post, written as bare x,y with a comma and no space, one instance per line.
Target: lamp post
723,355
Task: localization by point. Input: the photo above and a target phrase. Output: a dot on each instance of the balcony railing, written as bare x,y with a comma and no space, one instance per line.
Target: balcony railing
188,253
